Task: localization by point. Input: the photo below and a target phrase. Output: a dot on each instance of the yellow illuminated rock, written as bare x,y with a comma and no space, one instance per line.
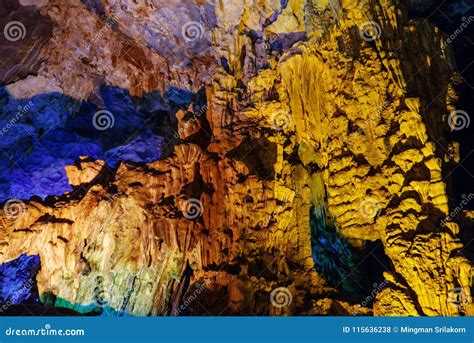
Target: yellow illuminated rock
333,122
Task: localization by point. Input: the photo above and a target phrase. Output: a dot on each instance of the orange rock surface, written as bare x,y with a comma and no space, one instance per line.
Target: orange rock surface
334,121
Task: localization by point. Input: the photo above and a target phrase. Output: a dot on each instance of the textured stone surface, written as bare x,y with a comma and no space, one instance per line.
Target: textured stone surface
301,113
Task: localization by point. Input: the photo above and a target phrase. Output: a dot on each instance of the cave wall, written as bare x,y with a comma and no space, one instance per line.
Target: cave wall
296,106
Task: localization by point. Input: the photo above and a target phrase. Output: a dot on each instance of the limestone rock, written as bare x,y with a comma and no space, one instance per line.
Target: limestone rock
329,119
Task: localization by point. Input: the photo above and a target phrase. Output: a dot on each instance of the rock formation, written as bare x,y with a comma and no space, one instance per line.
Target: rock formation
310,132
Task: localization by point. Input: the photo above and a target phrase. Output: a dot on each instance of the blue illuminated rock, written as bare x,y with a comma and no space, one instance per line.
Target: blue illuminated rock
18,279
